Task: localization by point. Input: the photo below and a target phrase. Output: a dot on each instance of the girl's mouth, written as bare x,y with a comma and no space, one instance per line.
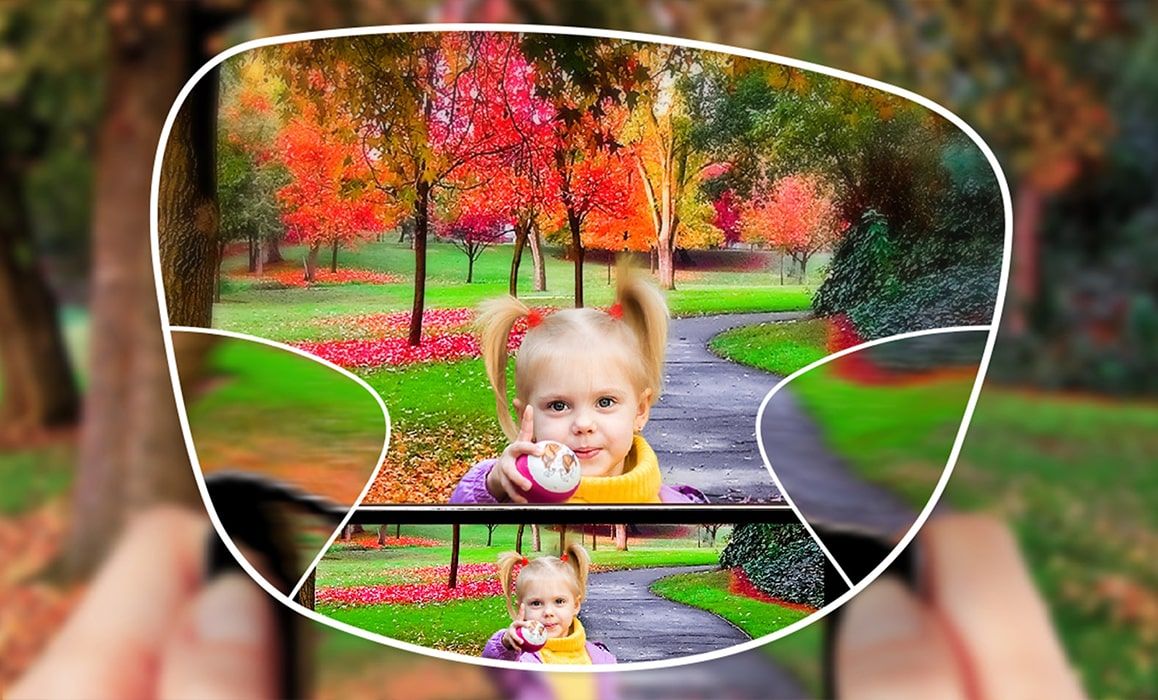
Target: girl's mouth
586,452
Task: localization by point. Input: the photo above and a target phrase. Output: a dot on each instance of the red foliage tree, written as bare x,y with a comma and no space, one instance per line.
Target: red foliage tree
328,201
797,215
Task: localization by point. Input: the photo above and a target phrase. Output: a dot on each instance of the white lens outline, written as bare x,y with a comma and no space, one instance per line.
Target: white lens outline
629,36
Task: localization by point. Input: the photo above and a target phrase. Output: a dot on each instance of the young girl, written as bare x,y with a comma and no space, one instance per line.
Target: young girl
548,591
588,379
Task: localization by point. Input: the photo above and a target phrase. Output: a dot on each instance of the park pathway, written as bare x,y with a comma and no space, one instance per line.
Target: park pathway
703,431
638,625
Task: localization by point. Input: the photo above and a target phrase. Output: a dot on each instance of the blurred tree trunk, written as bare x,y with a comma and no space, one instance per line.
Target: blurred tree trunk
273,254
132,452
305,595
39,391
519,538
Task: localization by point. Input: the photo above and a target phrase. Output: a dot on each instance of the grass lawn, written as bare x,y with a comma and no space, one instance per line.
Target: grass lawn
709,591
1073,475
296,314
274,412
464,626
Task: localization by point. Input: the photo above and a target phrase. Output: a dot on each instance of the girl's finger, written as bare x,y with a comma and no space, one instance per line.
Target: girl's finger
527,427
522,612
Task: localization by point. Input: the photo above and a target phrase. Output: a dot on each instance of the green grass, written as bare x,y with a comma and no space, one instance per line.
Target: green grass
32,477
266,388
709,591
295,314
462,626
779,348
1073,476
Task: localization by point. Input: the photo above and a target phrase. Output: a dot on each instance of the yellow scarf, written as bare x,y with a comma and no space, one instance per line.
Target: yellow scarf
639,482
571,649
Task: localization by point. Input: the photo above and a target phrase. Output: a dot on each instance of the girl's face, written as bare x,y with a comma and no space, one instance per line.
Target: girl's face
551,602
590,405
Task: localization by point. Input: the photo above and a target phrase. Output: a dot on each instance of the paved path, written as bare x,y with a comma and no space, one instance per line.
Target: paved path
703,428
640,626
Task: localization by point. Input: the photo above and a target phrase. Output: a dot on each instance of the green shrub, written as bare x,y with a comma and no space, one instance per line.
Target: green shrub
780,560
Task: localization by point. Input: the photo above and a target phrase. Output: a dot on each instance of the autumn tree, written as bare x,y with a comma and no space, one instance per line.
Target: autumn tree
472,232
329,200
248,172
586,81
797,216
515,179
669,164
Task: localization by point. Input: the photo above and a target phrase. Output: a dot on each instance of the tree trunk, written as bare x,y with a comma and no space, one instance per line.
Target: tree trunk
536,538
398,530
537,259
574,224
1028,204
260,258
562,539
421,225
469,268
37,390
454,546
187,214
254,253
217,281
273,252
519,538
382,535
334,257
311,261
305,595
781,268
621,538
490,534
522,232
132,450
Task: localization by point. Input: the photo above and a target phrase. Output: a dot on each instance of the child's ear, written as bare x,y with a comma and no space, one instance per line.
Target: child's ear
643,410
519,408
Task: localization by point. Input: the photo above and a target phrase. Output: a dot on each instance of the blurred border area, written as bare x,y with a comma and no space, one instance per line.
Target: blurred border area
1062,445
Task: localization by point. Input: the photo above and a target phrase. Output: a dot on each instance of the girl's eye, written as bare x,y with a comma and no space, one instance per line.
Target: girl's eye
557,406
560,601
605,402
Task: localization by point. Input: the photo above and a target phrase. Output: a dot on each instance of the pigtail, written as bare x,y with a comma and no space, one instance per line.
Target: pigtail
495,319
577,559
645,312
507,561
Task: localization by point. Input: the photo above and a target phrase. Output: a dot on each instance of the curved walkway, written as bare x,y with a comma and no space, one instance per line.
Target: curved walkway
703,430
638,625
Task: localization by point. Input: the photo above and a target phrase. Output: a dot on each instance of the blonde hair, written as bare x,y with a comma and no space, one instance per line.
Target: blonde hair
641,333
573,567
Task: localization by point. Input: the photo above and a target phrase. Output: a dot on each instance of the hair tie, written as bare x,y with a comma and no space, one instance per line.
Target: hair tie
534,318
615,311
523,561
563,558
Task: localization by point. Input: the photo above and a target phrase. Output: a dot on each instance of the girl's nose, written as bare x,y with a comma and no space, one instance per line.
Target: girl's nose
583,422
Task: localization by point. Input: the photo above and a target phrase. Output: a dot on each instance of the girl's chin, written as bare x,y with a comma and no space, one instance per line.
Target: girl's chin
599,470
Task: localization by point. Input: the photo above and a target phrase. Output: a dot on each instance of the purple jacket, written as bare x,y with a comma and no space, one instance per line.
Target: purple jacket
495,650
473,488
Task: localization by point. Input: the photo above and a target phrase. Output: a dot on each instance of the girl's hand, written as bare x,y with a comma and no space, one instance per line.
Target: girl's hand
504,481
510,638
